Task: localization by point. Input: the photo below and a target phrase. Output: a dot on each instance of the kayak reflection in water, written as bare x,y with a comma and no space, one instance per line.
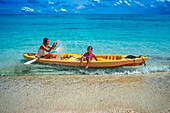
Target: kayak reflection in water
88,56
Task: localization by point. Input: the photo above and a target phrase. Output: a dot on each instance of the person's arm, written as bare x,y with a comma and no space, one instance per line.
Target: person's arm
95,58
49,46
44,48
53,46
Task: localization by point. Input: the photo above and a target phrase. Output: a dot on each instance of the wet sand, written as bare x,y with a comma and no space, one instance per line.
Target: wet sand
86,93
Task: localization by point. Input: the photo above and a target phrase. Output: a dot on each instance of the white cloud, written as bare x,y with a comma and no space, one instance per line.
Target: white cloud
97,1
142,5
55,10
118,3
49,2
152,6
27,9
39,11
77,12
137,2
126,3
62,9
80,7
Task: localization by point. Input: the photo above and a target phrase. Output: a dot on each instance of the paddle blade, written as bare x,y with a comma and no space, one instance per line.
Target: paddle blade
58,49
31,61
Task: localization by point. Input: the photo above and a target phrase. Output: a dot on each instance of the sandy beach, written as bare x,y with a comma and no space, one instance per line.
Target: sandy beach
85,93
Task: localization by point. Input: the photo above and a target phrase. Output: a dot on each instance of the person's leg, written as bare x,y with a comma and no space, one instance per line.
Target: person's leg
88,62
52,56
82,59
48,55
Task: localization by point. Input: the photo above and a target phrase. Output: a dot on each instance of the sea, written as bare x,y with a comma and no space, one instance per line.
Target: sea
49,88
146,35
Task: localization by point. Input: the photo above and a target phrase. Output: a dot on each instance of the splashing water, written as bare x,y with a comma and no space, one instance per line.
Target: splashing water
62,49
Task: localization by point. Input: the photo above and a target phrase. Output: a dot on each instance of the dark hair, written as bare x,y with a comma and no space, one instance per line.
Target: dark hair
45,40
90,47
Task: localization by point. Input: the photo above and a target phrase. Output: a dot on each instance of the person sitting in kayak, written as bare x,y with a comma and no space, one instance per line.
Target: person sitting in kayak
88,56
43,49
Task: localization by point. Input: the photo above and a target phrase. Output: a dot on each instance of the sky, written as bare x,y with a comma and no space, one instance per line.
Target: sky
84,6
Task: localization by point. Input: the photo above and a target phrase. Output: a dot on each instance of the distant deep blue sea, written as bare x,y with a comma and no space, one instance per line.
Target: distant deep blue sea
147,35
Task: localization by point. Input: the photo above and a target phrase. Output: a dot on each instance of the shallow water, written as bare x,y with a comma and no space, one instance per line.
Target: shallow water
146,35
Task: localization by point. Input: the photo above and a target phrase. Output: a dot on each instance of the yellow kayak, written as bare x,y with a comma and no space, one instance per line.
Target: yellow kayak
104,60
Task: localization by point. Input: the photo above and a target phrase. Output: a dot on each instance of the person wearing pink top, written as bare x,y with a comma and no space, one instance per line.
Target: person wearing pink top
88,56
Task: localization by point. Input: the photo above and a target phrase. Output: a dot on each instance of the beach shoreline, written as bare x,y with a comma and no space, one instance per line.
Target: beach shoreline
86,93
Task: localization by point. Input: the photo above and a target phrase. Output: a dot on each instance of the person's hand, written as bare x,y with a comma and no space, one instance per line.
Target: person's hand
53,45
56,42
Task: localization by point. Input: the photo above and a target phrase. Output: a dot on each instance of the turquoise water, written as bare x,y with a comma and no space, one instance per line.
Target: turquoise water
146,35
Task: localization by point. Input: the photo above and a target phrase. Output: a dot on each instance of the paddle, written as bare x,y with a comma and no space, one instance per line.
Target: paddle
31,61
56,50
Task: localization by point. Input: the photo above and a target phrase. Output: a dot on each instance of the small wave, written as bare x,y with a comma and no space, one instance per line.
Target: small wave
46,69
150,69
158,57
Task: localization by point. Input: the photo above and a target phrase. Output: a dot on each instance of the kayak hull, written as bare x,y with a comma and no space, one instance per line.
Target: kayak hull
103,60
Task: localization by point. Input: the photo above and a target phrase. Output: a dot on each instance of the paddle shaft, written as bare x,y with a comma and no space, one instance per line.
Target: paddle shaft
31,61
